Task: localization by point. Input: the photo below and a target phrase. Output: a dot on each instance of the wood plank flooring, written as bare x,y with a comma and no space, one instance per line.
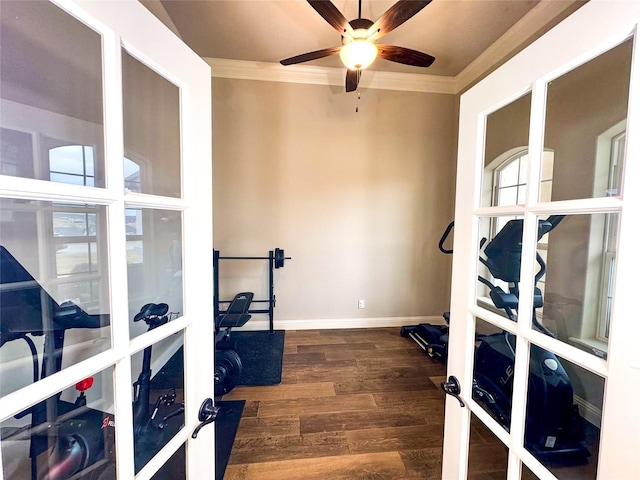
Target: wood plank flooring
354,404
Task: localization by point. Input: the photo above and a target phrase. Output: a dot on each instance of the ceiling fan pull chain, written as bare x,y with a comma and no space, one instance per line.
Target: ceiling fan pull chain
359,72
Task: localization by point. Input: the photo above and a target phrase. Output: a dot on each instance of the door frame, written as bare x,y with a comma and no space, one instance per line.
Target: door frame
129,25
590,31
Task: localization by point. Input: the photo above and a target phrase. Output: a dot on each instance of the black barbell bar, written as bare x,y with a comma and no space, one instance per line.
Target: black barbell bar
277,255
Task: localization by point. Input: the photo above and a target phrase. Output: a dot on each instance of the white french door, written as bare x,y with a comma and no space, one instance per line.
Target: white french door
106,245
560,403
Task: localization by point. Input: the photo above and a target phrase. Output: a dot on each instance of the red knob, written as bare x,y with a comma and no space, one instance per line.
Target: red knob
85,384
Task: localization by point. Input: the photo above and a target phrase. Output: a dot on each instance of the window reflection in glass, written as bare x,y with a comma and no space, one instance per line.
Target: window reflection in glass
579,279
151,103
134,229
154,260
54,287
132,176
75,238
586,108
72,164
618,151
510,179
505,155
16,153
51,108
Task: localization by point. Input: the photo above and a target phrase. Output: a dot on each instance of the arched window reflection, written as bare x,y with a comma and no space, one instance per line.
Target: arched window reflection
132,176
72,164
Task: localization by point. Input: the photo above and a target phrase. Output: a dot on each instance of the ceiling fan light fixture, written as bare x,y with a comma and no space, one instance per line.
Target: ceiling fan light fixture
358,54
359,36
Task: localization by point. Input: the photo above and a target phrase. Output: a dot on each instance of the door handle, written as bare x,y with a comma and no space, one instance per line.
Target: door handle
452,387
206,415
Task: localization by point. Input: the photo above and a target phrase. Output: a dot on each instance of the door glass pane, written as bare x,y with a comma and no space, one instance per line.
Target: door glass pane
51,113
487,454
54,289
68,435
564,409
499,264
493,371
158,392
506,139
586,108
546,176
576,274
154,261
175,468
527,474
151,131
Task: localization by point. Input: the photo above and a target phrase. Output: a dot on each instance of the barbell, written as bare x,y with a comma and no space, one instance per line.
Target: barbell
277,255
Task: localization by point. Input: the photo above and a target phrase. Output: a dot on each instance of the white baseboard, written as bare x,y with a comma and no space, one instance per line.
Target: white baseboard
341,323
588,411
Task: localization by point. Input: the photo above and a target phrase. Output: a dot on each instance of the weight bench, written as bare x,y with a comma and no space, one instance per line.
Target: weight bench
235,316
228,365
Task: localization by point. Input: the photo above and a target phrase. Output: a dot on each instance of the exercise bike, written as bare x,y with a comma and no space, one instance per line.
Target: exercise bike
69,439
554,429
65,439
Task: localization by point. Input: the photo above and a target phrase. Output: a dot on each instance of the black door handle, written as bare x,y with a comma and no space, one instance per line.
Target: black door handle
452,387
206,415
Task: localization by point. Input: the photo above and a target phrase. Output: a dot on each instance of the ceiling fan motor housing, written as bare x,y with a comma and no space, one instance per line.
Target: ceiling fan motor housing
360,28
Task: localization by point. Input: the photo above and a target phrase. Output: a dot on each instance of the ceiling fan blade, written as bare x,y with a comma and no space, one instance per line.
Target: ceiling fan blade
332,15
399,13
305,57
405,55
353,78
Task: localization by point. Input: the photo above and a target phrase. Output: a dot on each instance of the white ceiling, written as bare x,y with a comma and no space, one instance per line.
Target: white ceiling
454,31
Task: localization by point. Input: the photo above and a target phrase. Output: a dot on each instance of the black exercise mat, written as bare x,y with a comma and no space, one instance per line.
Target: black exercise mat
261,355
226,427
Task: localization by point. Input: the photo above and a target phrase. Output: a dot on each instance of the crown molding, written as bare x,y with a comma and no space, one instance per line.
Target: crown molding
539,17
274,72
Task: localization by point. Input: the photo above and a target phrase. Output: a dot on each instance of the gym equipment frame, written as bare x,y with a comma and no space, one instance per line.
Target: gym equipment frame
276,259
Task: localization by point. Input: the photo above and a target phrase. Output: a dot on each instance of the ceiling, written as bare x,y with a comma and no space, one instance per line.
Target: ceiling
454,31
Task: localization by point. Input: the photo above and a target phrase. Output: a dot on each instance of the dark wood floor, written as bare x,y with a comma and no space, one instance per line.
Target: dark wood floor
353,404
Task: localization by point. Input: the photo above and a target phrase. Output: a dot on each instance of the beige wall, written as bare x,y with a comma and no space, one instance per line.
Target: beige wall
359,200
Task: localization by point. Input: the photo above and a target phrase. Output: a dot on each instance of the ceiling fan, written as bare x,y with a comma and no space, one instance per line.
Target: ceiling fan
359,48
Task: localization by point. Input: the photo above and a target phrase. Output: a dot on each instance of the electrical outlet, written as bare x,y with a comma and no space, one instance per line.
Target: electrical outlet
361,303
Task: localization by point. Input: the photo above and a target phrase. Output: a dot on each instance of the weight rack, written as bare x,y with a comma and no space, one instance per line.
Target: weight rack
276,259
